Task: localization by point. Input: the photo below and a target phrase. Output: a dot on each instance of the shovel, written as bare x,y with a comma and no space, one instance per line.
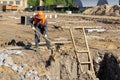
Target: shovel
48,42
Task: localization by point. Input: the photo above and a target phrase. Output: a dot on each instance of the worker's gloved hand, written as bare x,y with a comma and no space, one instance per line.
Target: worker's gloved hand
33,28
45,35
31,25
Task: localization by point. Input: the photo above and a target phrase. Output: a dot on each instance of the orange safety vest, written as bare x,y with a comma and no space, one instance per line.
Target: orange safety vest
42,21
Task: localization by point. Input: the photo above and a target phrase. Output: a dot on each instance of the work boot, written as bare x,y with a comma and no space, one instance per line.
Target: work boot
36,44
37,49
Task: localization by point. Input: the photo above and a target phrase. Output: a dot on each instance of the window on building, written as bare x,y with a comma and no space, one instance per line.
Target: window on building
11,2
17,2
4,2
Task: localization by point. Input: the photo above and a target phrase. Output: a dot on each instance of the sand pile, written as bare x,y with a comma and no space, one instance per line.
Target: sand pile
114,11
104,10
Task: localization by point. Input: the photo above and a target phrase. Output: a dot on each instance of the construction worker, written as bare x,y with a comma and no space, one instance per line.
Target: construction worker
39,25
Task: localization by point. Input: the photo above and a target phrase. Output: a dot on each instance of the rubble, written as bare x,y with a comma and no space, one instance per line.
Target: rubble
6,60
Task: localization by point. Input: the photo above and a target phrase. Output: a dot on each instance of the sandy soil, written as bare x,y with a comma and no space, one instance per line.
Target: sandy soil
11,29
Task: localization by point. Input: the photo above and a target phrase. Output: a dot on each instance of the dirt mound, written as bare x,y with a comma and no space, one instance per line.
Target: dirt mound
114,11
98,10
104,10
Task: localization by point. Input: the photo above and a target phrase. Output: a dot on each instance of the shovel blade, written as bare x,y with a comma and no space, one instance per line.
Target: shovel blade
48,43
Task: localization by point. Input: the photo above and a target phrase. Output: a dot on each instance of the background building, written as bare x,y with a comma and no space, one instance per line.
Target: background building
41,3
20,3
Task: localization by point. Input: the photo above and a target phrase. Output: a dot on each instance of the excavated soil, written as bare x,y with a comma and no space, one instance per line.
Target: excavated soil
20,63
104,10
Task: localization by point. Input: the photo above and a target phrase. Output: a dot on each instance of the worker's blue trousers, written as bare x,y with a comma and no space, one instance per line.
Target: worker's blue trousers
42,30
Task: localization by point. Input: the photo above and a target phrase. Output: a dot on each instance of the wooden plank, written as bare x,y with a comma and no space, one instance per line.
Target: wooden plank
82,51
41,43
72,39
77,58
63,21
89,27
51,22
92,16
77,21
85,62
54,42
89,55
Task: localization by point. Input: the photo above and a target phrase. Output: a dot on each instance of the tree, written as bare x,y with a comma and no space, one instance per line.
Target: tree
69,3
59,2
33,2
48,2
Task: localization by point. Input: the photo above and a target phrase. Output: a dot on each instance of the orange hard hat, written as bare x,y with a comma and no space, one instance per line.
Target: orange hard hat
40,14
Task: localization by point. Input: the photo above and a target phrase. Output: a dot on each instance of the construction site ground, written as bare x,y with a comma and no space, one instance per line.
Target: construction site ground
105,36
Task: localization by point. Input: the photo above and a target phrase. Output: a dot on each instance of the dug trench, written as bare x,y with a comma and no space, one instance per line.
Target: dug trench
107,66
26,64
